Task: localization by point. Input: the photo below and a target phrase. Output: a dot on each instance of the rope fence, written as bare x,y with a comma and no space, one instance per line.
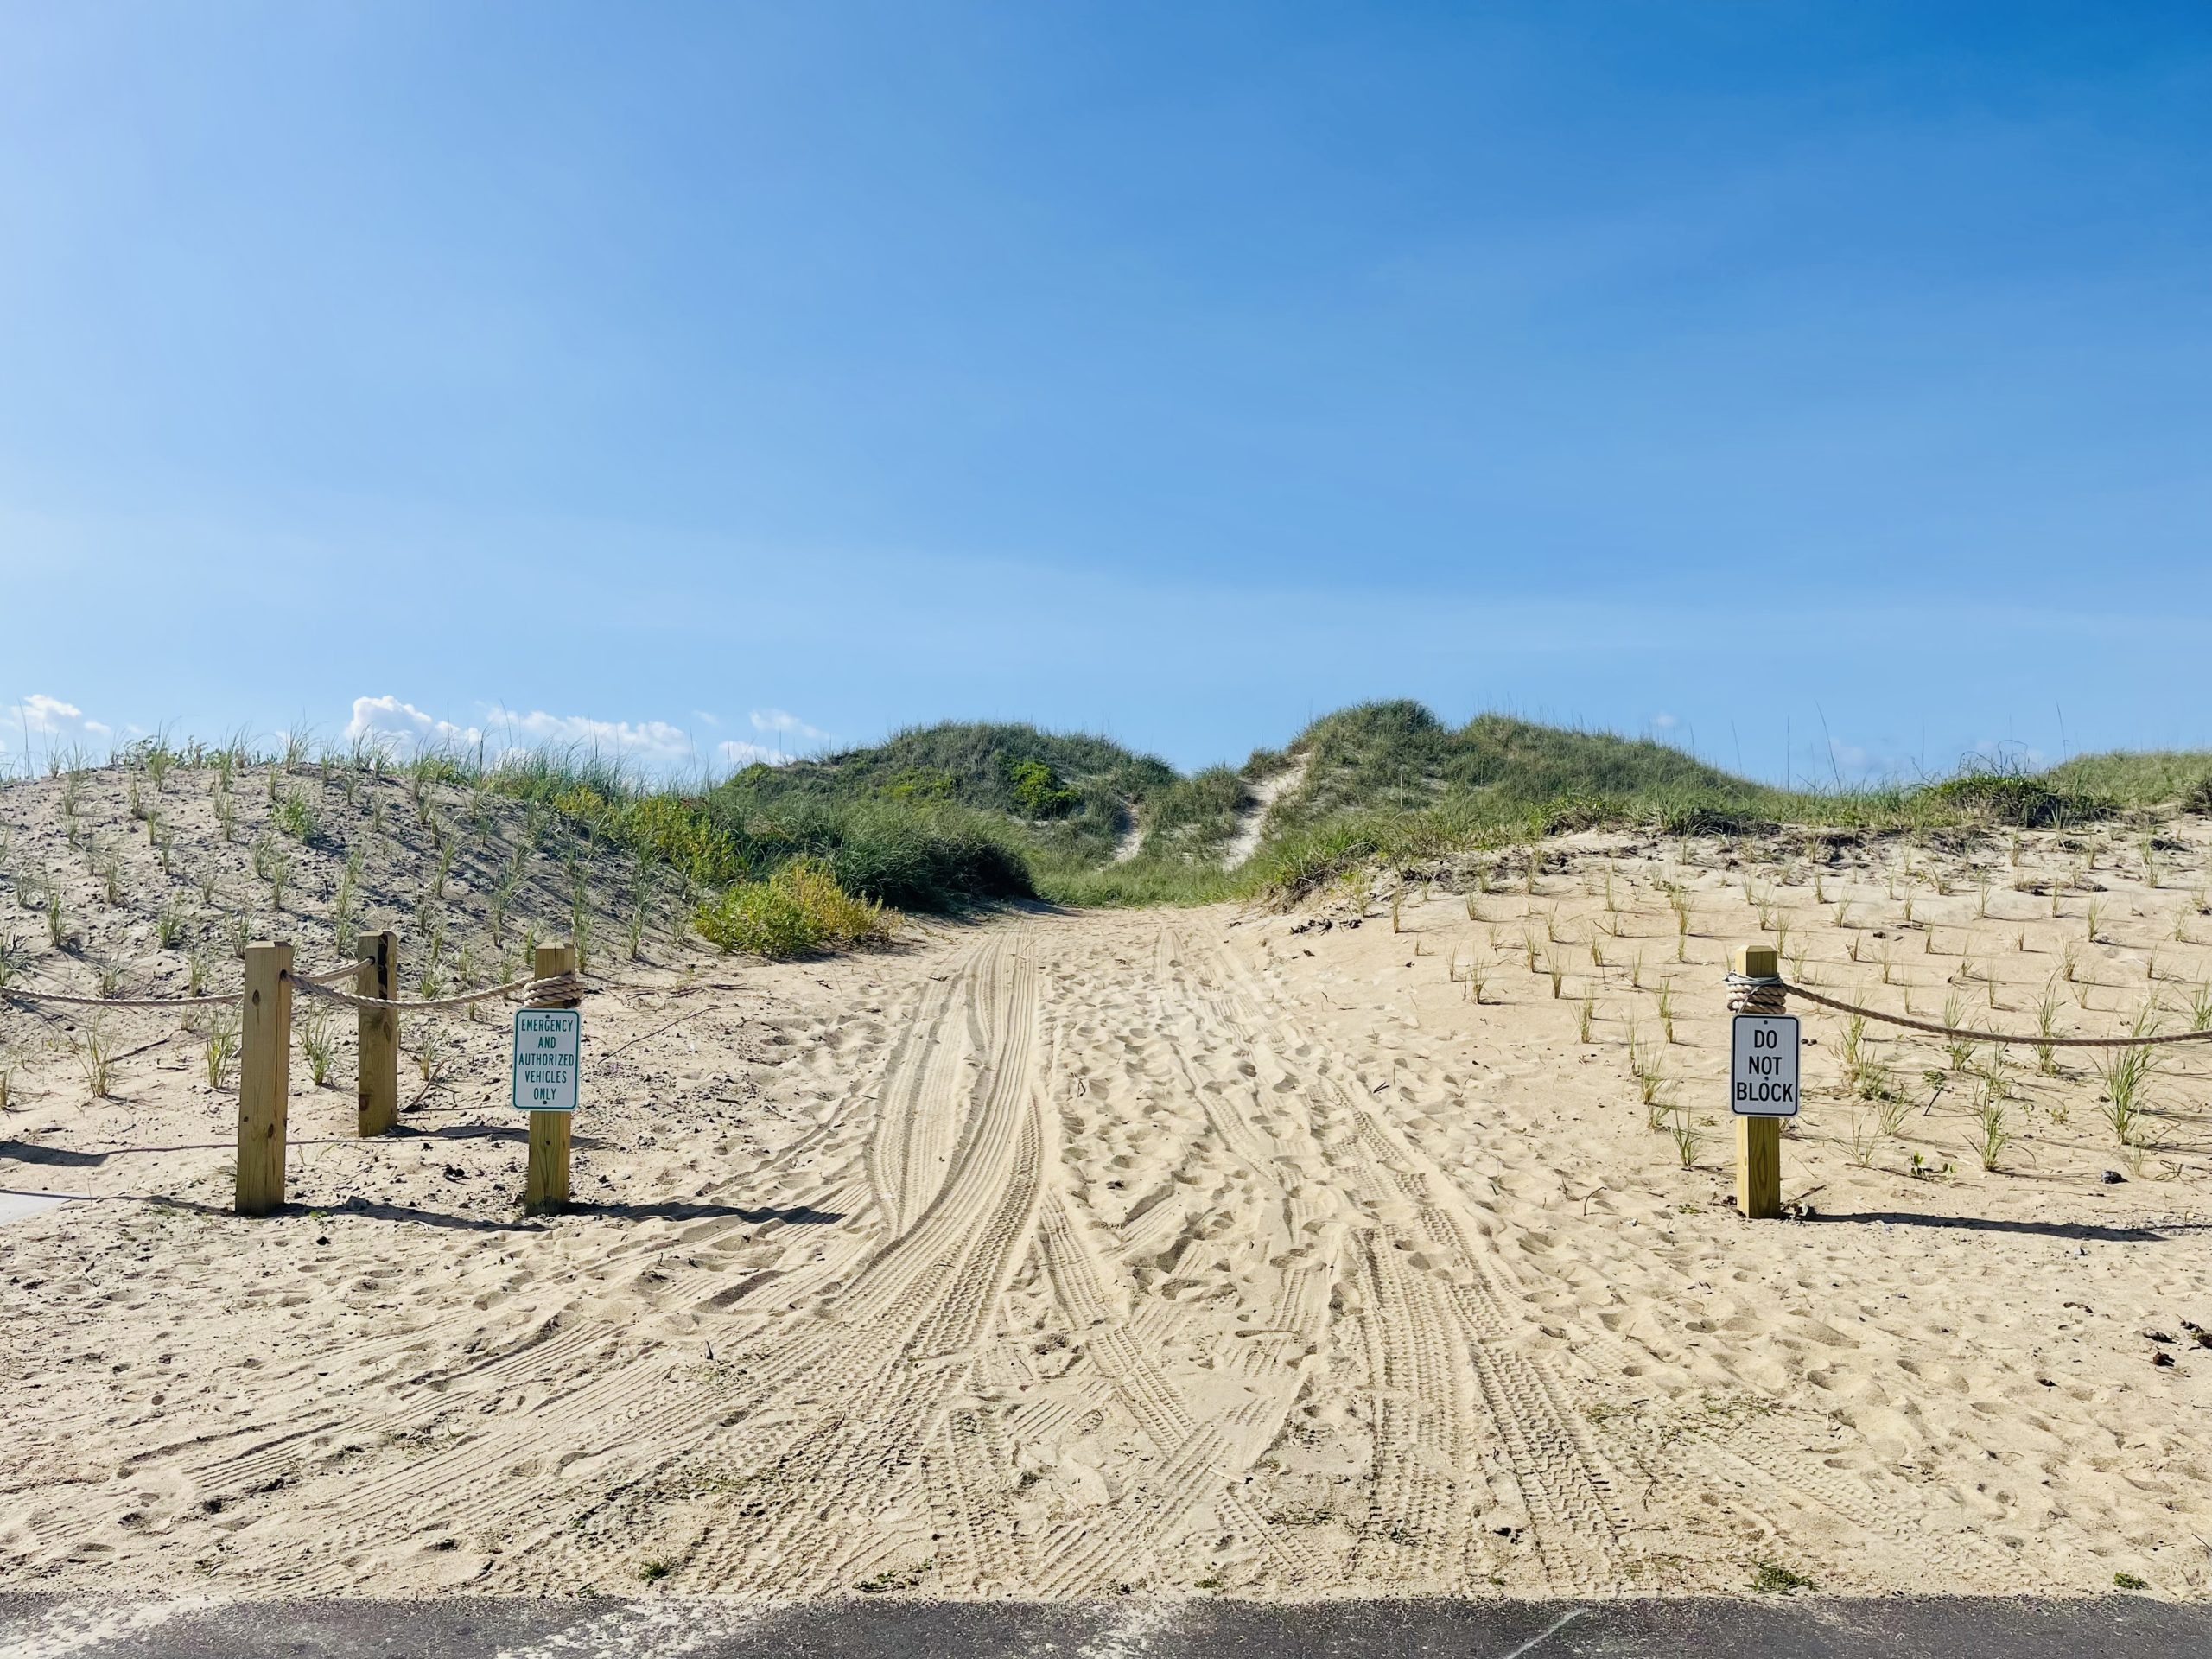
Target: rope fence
1755,994
56,999
556,990
263,1039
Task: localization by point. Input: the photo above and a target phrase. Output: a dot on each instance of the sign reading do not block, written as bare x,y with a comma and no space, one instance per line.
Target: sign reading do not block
1763,1065
549,1043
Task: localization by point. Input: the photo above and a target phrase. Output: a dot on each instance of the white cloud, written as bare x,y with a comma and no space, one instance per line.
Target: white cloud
653,743
1664,723
780,720
738,753
43,722
653,746
400,727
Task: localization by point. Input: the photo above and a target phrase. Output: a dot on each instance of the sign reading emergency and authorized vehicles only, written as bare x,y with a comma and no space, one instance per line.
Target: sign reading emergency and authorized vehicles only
549,1043
1763,1065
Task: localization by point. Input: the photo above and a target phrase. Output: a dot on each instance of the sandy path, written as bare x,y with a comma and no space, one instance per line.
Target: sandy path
1252,824
1067,1255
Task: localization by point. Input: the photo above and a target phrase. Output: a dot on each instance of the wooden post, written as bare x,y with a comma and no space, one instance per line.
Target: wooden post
1758,1140
546,1186
376,1094
264,1077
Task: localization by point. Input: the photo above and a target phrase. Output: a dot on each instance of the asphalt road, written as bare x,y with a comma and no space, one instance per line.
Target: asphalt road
50,1627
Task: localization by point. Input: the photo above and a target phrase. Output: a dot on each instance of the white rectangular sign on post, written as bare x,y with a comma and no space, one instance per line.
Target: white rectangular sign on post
549,1045
1763,1065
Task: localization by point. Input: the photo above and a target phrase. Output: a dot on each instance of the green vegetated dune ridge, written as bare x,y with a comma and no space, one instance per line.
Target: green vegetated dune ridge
785,859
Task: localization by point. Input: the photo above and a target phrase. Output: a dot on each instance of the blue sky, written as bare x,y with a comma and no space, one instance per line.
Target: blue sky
1821,386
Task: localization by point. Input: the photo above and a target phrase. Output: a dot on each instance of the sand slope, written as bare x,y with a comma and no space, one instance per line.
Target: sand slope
1166,1252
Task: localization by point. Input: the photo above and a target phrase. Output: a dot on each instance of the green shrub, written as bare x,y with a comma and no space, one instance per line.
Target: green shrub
677,831
921,784
800,908
1037,791
2010,798
911,856
295,817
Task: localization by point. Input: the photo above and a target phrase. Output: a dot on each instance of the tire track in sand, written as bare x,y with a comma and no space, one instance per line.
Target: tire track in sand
904,1334
607,1391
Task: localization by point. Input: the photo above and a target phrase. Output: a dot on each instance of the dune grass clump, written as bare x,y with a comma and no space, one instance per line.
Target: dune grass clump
798,909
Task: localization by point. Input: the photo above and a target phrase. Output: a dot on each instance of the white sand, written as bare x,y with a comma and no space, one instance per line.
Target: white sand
1172,1251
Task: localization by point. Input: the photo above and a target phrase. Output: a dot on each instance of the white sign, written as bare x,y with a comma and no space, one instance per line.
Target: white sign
1763,1065
549,1043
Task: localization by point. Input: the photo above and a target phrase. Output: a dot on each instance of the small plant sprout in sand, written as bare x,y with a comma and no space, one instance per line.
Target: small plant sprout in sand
317,1044
2200,1008
1477,975
1652,1086
1958,1050
1586,1015
107,864
1555,972
1864,1140
430,1050
1851,1051
94,1049
1688,1139
168,927
2090,917
221,1045
292,816
2124,1073
1993,1129
1662,1000
2047,1028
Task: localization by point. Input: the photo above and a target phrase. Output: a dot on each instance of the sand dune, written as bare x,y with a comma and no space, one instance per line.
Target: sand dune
1165,1252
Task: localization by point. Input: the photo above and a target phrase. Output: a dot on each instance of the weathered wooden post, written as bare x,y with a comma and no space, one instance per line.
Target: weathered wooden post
264,1077
546,1185
376,1094
1762,1076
